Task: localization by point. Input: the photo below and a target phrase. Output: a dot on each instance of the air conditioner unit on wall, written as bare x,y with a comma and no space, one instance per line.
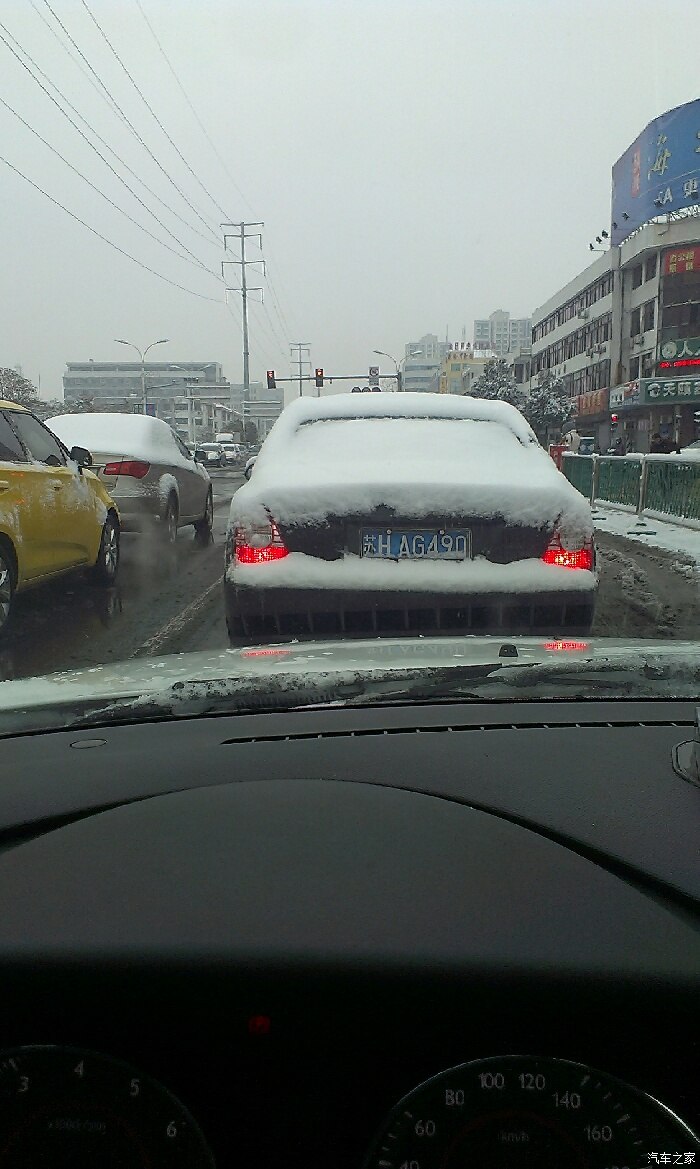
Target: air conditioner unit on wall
582,314
639,339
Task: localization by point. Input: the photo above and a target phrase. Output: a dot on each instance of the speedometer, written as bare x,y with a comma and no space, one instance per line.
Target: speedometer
533,1113
60,1106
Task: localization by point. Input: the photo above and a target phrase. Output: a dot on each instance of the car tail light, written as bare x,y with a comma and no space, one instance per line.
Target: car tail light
259,544
133,467
556,553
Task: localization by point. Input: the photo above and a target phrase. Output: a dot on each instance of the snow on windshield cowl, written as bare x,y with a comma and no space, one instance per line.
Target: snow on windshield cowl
413,454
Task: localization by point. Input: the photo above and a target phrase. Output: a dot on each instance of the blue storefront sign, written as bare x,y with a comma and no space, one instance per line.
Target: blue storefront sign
659,172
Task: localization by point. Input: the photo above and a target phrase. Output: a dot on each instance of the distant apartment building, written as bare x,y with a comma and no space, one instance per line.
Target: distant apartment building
421,362
501,333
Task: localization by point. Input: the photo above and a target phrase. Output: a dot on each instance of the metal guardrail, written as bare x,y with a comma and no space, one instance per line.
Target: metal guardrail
664,485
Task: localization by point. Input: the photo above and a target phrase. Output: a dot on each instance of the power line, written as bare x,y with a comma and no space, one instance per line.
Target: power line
127,168
278,308
101,193
184,93
150,109
133,129
92,146
173,283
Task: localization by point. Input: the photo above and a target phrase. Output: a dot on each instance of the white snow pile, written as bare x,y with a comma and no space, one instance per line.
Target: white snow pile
418,454
678,539
132,436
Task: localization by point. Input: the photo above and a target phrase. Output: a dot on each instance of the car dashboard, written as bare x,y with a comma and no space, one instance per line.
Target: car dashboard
400,937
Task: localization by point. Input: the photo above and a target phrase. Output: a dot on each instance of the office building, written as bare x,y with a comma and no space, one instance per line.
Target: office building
421,362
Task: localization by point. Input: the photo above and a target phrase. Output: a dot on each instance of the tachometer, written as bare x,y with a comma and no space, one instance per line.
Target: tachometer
63,1107
533,1113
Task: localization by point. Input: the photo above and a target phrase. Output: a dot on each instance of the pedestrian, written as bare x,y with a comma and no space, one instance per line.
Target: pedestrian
655,447
618,447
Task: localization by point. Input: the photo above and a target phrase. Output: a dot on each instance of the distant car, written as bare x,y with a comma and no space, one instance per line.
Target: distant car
248,469
235,455
405,513
55,514
147,469
212,454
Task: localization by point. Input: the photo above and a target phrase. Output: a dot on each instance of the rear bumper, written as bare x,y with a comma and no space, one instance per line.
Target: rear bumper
273,615
137,512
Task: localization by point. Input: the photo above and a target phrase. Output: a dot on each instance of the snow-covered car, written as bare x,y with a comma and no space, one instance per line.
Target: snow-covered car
403,514
211,454
148,470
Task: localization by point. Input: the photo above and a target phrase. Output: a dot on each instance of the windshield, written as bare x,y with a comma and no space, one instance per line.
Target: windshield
201,513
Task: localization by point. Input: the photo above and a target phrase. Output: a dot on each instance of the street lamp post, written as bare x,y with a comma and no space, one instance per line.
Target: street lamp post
398,364
142,354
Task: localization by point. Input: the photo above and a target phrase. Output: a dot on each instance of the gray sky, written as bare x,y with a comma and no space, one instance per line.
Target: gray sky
416,164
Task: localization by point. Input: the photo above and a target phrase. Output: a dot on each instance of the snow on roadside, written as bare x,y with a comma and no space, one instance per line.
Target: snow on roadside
683,542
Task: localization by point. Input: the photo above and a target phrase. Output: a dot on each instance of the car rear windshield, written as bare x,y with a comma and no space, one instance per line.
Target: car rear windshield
401,445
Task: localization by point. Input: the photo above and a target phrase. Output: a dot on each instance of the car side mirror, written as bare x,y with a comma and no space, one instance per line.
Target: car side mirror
249,467
81,456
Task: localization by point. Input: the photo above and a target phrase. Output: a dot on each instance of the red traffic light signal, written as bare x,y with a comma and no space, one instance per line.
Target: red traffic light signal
271,379
319,378
614,419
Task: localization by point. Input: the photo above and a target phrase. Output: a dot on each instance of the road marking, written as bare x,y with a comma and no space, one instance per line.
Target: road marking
177,623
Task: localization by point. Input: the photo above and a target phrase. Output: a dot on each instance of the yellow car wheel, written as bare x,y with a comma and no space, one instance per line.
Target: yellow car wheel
107,564
7,585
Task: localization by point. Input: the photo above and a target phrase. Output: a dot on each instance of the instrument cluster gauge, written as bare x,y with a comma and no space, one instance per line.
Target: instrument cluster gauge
530,1112
65,1108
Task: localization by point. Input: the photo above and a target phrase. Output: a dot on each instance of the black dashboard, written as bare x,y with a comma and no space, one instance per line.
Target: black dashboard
276,926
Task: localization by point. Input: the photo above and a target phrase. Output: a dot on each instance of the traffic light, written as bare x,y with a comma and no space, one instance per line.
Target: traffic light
319,379
271,384
613,421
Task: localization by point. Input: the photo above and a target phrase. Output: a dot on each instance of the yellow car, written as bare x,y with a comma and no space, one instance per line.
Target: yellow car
55,515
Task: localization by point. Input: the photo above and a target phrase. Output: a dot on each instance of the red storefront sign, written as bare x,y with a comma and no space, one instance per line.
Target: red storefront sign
592,402
681,260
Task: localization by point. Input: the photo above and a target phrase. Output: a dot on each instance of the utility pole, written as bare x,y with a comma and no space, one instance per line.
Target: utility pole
241,235
301,346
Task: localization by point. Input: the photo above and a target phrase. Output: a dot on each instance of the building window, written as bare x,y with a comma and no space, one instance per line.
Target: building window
635,322
634,368
637,276
648,364
648,317
650,267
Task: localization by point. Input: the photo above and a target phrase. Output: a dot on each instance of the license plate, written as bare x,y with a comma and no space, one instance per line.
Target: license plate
415,544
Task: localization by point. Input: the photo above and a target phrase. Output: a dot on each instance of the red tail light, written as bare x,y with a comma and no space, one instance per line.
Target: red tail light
132,467
581,557
259,544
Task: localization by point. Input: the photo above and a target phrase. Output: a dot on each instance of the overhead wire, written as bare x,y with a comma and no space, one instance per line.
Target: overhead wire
92,146
102,141
150,109
104,238
276,304
196,116
107,199
127,121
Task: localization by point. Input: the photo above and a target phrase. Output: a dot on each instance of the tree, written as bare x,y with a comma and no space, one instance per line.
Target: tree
549,406
251,432
15,388
497,384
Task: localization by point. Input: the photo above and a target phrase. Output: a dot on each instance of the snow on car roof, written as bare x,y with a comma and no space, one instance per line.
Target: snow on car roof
134,435
394,405
418,454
